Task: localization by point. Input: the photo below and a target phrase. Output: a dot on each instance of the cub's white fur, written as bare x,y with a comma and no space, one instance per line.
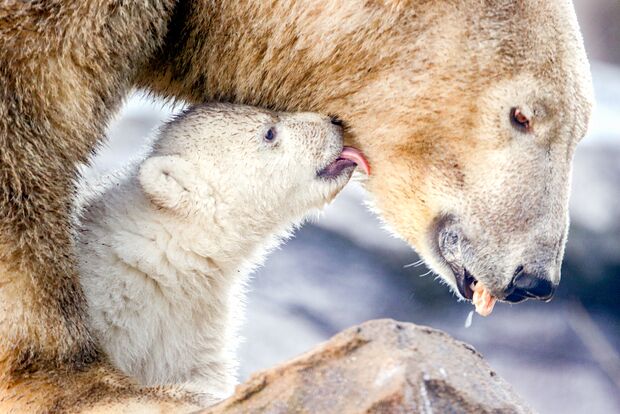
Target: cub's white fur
164,249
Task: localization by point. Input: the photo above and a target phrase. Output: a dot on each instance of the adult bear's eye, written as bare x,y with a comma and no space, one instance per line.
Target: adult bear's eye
519,120
270,136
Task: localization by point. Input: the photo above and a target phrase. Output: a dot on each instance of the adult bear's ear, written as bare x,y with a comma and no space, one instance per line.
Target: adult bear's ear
169,182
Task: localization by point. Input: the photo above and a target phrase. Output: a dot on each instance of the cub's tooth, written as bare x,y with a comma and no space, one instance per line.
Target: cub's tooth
472,285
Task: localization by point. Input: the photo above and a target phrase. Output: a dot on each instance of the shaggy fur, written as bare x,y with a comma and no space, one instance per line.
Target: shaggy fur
426,87
164,250
64,69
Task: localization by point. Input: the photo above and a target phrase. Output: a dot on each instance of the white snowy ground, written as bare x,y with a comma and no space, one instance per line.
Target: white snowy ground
345,269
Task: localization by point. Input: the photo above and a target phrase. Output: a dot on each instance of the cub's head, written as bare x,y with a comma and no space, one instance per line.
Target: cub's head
246,163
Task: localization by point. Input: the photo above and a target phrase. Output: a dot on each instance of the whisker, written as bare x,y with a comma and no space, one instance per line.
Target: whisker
427,273
414,264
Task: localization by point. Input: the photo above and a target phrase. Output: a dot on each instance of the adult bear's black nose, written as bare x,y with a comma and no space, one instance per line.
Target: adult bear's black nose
530,285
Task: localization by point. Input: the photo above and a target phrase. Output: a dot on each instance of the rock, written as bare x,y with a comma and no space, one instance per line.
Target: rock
380,366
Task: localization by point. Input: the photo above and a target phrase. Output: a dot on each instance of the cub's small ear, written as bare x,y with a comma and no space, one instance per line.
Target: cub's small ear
168,181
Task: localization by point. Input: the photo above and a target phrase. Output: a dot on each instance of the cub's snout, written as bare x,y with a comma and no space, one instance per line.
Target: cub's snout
322,137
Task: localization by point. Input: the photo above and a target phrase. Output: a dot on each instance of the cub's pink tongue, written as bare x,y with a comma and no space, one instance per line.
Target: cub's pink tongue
355,155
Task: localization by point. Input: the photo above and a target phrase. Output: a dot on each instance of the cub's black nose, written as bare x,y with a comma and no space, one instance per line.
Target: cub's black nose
530,285
336,120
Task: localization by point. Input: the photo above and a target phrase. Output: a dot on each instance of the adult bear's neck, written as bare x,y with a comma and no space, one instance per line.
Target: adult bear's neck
309,55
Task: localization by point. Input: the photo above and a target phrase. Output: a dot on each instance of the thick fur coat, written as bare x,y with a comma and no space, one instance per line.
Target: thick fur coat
165,248
427,87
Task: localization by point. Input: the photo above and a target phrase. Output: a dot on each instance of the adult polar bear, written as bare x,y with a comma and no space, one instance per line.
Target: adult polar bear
469,112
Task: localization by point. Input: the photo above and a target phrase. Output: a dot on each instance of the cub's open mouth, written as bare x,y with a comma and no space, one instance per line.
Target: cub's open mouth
349,158
470,288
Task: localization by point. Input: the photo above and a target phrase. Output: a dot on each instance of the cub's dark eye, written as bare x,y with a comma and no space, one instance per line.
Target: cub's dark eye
519,120
270,135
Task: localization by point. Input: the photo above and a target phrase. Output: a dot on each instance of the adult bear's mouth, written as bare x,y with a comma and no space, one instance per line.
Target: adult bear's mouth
448,241
471,289
348,159
465,283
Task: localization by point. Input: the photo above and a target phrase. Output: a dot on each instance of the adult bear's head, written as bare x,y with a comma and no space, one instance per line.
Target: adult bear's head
469,112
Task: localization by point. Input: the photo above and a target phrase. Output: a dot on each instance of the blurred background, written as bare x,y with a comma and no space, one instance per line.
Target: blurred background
344,268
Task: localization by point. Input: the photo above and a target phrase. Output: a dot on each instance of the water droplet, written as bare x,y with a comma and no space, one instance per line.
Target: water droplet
469,319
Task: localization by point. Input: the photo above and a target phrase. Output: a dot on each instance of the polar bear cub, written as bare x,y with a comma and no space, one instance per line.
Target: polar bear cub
164,251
